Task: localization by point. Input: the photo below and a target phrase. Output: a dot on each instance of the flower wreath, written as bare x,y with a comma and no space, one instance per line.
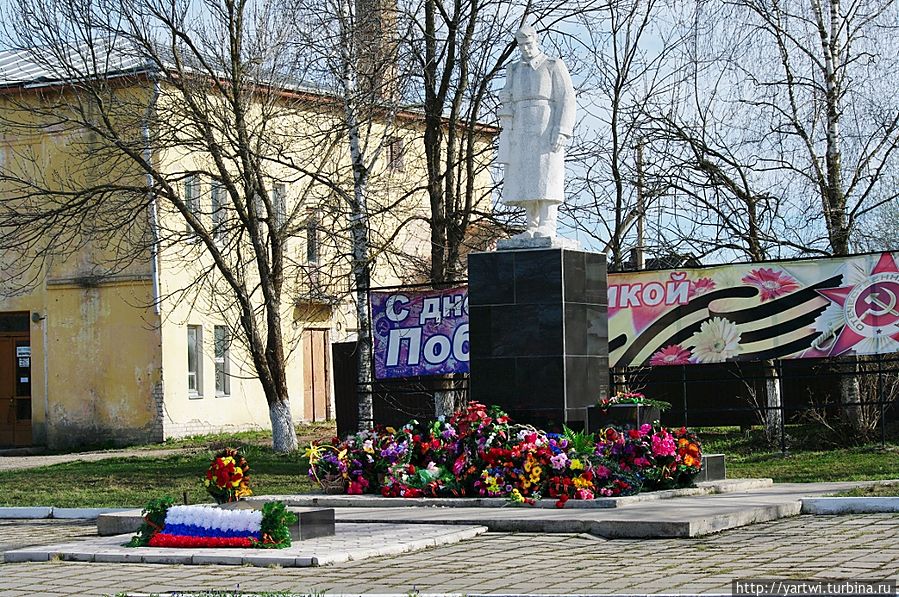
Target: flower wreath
167,525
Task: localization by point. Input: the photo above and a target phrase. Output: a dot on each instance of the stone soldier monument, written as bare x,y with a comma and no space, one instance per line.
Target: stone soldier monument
537,305
537,118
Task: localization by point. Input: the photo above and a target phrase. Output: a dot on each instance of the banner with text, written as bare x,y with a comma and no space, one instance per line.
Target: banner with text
420,332
748,312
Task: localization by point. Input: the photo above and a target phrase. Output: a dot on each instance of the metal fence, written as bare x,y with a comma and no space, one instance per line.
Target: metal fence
816,395
853,398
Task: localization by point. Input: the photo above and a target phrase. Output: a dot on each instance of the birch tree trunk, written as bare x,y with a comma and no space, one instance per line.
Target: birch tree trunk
361,265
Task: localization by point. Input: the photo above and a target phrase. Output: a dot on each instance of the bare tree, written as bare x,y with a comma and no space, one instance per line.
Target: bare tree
165,96
631,71
784,138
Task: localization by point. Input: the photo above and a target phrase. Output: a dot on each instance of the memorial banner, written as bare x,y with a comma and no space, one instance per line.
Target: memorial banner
420,333
748,312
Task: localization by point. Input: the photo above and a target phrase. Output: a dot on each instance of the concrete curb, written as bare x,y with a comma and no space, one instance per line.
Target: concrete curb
849,505
466,594
313,552
53,512
649,527
374,501
26,512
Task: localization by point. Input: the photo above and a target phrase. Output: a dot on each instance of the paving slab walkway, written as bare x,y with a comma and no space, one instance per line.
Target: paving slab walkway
688,516
8,463
820,547
676,517
350,542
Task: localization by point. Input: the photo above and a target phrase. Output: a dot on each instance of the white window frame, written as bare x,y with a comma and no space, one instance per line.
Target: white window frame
222,358
197,375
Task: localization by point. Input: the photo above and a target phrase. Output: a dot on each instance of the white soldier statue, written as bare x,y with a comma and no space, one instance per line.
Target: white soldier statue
537,118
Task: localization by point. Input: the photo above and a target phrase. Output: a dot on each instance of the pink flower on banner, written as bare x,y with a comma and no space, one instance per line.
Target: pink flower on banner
673,354
771,283
701,286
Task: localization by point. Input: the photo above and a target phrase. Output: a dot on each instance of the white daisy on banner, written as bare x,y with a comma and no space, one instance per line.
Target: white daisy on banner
717,340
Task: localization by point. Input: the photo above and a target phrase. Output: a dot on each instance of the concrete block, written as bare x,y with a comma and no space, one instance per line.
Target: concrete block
118,523
26,555
219,558
641,529
26,512
269,559
114,557
78,556
713,524
312,523
166,558
849,505
85,513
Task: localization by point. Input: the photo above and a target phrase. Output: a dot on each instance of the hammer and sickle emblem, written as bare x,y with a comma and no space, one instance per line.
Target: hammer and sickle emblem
883,308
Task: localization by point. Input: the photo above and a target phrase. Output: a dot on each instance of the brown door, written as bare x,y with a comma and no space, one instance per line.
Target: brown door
15,390
316,376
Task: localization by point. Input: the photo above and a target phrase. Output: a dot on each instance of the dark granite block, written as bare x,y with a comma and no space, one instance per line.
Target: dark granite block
540,382
575,276
577,390
492,275
596,285
713,468
526,330
586,380
597,328
548,419
493,381
538,277
575,329
480,324
312,523
598,378
542,353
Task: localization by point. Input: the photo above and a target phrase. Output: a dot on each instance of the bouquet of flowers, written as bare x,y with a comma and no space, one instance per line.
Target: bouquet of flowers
228,477
689,456
480,452
632,398
660,458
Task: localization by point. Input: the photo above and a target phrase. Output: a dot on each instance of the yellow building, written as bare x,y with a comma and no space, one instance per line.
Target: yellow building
118,341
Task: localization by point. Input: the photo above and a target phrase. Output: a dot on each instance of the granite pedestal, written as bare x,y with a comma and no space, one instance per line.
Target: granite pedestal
538,333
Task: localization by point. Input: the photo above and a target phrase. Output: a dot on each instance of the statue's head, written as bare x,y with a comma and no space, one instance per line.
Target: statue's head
528,42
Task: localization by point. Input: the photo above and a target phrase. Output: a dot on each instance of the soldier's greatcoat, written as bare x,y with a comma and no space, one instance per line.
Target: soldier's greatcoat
538,103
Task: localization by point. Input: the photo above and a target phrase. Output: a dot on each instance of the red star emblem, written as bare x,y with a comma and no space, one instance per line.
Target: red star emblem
870,308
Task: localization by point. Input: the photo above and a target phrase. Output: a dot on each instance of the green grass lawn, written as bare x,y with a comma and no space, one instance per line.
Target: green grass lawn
888,490
809,458
847,464
131,482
